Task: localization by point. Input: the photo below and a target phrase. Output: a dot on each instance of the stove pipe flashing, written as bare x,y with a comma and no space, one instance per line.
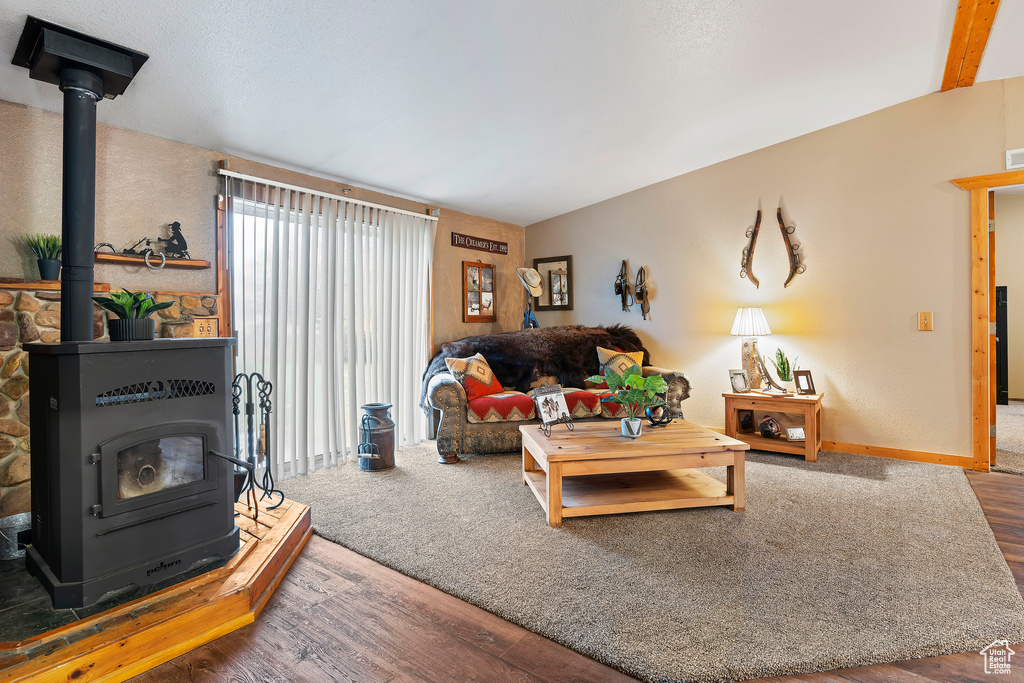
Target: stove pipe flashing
86,69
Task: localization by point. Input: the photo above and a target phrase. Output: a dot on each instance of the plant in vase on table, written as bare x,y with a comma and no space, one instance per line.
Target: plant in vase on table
635,393
133,310
785,370
47,249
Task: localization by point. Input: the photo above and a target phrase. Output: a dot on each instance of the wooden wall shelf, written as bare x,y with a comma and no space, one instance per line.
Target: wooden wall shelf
129,639
127,260
43,285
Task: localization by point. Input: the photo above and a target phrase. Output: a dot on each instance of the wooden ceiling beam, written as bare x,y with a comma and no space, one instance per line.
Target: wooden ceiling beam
971,27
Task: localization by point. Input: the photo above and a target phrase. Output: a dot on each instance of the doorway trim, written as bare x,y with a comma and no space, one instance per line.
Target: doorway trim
983,340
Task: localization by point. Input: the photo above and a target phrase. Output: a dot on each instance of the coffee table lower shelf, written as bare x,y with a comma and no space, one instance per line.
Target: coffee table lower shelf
607,494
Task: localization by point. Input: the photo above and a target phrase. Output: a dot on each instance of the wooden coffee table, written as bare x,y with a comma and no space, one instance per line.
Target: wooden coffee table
594,470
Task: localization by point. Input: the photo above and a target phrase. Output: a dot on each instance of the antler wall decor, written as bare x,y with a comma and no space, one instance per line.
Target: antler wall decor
796,265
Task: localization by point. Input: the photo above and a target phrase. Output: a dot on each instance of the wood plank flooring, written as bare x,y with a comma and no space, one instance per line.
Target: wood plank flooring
341,617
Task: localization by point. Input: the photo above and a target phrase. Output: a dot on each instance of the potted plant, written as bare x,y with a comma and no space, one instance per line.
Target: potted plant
784,370
635,393
133,310
47,251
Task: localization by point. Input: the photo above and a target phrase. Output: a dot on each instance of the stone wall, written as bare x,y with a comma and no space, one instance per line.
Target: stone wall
176,321
28,316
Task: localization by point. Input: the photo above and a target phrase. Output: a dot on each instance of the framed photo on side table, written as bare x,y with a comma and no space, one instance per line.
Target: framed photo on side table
551,407
478,295
739,382
804,383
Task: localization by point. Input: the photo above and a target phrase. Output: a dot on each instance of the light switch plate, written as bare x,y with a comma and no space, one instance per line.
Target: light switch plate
207,327
925,321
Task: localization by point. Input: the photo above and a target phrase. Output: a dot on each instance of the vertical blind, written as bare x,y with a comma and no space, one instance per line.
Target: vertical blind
330,300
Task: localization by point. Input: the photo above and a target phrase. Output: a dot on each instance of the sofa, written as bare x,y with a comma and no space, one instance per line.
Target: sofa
521,361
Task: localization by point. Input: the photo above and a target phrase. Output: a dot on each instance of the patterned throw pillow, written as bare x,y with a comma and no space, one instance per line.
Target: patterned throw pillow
508,406
617,361
475,376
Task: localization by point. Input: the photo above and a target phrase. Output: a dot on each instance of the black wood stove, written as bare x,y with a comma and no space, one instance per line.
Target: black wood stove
130,481
126,486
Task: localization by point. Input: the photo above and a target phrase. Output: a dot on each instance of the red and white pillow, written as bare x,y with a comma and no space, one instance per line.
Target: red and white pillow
475,376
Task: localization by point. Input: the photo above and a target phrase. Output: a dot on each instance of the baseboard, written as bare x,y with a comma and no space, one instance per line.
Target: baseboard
897,453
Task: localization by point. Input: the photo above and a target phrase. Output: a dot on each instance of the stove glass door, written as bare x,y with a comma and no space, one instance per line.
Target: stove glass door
159,464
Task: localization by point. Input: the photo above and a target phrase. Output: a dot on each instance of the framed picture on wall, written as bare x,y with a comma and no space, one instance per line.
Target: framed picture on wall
556,274
478,295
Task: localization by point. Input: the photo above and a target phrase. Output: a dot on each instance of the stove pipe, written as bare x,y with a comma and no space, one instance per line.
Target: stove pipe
78,225
86,69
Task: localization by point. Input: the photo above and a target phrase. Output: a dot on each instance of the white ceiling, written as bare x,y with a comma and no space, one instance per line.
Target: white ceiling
518,109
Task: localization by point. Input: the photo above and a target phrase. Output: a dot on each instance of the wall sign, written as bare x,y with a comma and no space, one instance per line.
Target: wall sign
478,243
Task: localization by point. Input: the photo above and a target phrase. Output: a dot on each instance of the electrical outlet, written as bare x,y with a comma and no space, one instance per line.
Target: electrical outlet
925,321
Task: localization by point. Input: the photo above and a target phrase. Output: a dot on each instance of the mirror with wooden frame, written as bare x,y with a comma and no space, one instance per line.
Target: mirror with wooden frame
556,274
478,295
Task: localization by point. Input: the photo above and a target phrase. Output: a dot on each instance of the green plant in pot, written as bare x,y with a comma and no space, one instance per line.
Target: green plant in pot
47,249
132,310
635,393
784,369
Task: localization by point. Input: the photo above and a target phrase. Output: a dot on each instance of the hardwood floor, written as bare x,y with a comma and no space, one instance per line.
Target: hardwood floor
341,617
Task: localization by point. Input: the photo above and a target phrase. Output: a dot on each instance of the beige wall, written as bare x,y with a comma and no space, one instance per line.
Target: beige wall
1010,274
884,233
144,183
447,295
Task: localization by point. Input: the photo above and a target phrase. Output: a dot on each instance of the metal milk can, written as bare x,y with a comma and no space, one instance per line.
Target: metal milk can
377,433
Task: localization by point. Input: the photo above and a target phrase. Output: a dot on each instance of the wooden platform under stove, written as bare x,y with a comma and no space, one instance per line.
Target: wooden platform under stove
134,637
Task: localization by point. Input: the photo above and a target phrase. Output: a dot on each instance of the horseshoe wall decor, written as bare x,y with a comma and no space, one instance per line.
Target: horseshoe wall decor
796,264
792,248
747,261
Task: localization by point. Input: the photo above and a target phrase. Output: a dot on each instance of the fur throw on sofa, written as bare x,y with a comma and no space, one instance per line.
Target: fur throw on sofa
518,358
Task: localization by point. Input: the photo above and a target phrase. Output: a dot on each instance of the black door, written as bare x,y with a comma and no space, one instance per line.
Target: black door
1002,356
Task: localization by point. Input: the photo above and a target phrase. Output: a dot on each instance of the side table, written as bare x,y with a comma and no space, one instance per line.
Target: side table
809,406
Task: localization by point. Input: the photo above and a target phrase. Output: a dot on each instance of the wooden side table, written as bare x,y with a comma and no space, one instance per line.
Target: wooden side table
809,406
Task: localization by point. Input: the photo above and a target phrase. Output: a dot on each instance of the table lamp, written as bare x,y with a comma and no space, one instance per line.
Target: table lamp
750,324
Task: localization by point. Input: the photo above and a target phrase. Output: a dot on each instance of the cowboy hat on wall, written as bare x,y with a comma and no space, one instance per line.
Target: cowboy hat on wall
532,280
534,284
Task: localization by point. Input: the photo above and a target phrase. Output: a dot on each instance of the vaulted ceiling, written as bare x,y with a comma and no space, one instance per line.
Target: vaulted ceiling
517,109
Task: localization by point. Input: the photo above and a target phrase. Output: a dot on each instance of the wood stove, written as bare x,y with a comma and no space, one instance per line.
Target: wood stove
127,486
131,479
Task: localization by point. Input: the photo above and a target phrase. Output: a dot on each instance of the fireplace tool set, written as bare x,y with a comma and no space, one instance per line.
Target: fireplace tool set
257,437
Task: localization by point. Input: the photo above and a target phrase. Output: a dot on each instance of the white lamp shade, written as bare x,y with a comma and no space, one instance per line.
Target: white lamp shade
750,322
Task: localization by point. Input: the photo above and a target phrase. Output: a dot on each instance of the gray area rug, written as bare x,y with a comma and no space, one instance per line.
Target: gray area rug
1010,438
848,561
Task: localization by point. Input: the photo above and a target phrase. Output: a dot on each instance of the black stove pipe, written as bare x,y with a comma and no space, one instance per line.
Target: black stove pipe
78,228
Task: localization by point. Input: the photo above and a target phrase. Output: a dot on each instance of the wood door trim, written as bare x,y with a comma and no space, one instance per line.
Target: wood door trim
982,342
992,366
985,182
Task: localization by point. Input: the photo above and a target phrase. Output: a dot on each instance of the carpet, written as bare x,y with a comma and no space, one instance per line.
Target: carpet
849,561
1010,438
